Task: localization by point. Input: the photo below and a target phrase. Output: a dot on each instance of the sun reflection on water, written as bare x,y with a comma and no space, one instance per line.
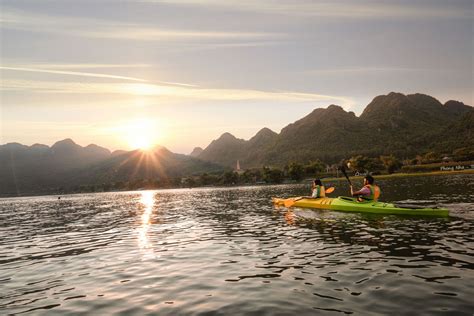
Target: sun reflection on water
147,200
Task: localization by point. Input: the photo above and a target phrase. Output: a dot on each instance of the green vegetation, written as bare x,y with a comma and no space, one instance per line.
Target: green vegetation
291,173
395,133
391,129
359,165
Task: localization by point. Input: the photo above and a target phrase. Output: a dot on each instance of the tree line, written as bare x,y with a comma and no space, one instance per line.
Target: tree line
291,172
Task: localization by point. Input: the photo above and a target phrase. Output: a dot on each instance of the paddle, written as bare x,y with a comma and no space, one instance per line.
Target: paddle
343,169
290,202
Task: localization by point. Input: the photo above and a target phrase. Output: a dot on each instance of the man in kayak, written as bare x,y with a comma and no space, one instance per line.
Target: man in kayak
369,192
317,189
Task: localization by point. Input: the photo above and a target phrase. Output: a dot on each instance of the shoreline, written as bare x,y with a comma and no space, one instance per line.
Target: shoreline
409,174
304,181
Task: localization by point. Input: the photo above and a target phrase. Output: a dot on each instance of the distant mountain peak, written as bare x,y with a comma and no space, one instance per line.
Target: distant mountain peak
226,148
457,108
196,152
118,152
393,94
390,97
424,101
263,136
227,136
265,132
93,146
454,103
390,104
97,150
37,145
265,129
415,98
335,107
64,143
39,148
422,95
330,110
14,146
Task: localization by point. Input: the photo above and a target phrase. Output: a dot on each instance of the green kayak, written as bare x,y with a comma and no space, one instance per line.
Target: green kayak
349,204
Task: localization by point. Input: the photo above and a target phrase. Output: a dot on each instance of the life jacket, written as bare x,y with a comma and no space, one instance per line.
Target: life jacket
319,191
374,192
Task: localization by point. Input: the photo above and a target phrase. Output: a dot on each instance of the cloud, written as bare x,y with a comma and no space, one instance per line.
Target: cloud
368,70
345,9
40,69
71,73
168,92
84,66
149,34
109,29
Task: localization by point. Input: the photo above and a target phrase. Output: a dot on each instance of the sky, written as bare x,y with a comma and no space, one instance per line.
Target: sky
129,73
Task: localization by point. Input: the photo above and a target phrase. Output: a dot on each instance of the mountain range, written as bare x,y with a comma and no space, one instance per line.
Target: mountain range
403,125
43,169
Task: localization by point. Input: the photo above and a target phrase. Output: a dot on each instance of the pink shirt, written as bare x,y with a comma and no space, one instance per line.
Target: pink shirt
364,191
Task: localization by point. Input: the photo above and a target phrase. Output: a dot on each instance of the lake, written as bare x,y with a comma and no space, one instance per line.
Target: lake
229,251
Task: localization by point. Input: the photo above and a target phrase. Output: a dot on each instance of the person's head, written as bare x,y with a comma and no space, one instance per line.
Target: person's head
317,182
369,179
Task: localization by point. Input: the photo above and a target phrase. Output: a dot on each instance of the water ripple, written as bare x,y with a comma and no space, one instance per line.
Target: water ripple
229,251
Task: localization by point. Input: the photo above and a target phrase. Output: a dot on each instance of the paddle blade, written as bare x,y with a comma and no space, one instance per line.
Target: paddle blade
277,201
330,190
291,202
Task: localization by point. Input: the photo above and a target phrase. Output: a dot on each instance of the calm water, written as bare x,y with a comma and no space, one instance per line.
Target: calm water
230,252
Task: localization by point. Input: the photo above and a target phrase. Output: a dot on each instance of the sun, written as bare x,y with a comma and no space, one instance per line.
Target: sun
143,89
140,142
141,134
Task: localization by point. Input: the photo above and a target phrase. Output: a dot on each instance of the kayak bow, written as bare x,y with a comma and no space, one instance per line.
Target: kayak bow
349,204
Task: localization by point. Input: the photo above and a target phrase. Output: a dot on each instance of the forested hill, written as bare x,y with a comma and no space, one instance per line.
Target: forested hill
398,124
65,165
393,124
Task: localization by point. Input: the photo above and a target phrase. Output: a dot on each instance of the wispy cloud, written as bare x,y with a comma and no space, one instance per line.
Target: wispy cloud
41,69
109,29
72,73
336,8
371,69
83,66
160,91
133,32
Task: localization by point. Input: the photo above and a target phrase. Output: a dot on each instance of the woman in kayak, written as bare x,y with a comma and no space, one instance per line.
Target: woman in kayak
369,192
317,189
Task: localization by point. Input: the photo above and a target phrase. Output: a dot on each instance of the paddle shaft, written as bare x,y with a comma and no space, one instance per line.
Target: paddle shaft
345,175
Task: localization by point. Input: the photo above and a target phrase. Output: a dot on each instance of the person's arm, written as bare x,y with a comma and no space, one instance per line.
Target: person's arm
363,191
